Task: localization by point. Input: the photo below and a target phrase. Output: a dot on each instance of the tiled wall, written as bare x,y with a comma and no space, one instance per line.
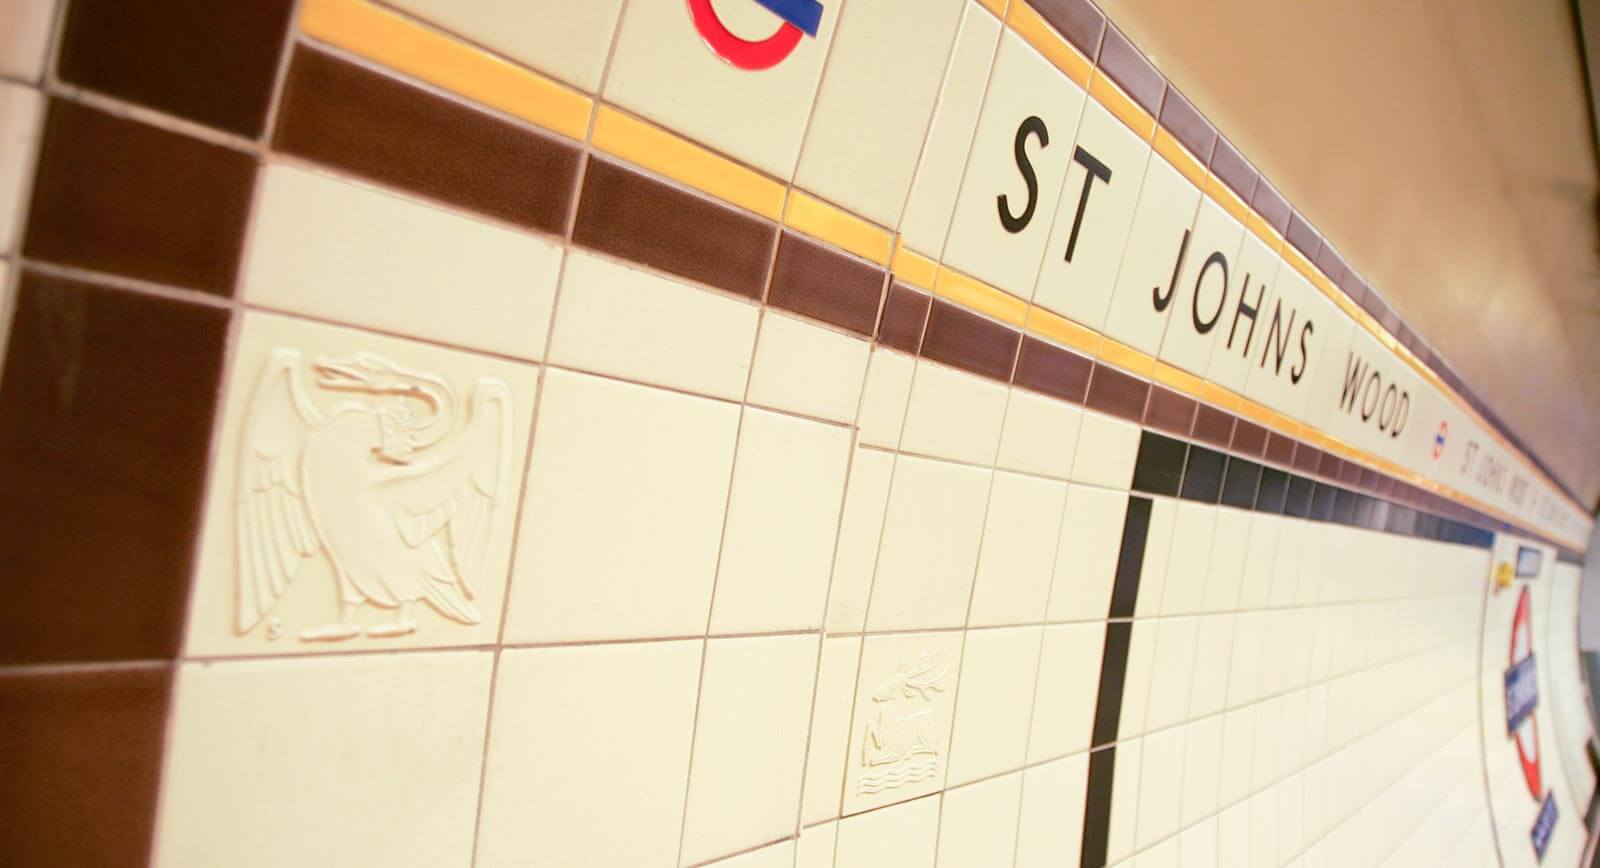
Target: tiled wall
445,433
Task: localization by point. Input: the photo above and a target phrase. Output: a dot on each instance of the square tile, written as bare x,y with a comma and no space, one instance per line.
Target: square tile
1086,558
353,254
1050,829
1106,451
431,454
667,71
589,717
1142,300
1020,154
978,823
749,745
25,25
998,670
566,41
855,556
884,397
808,369
614,461
901,836
241,735
830,728
1206,293
931,535
21,117
860,150
904,708
783,516
953,414
1018,552
1040,434
617,320
1069,676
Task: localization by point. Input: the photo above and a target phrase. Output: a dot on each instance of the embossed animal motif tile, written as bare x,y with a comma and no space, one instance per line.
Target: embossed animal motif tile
905,699
362,494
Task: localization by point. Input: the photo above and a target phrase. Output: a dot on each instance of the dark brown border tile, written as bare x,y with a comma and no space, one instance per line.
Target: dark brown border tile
905,314
1303,236
1352,284
1128,67
1214,426
1047,368
1122,395
644,220
1249,439
1234,170
824,284
965,340
1350,474
350,117
1271,205
1078,20
1307,458
1330,263
1280,449
1374,304
1169,411
1330,467
1188,125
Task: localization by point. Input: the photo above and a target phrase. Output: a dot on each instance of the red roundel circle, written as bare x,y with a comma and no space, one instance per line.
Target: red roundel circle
1527,735
743,53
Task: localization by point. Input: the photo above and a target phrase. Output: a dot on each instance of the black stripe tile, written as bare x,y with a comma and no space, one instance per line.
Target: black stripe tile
1130,558
1159,466
1273,492
1113,673
1323,498
1202,475
1097,808
1297,500
1240,482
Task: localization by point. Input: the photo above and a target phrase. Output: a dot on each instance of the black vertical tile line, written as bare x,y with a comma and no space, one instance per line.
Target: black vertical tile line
1097,808
1239,483
1130,560
1322,502
1202,475
1273,491
1113,673
1298,501
1159,467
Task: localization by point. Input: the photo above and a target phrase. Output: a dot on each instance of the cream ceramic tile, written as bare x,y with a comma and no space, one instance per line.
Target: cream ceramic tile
931,535
1207,290
1068,681
1086,556
1233,835
1265,531
884,397
1137,677
830,728
618,462
860,530
926,221
1040,434
816,846
860,149
998,670
1241,330
568,41
1018,550
1157,557
283,567
1166,211
1194,525
25,37
664,69
1002,217
312,746
780,855
1287,350
783,515
1213,656
612,724
1244,675
1172,676
628,323
902,836
807,369
749,744
1050,829
1099,206
1229,548
350,253
1106,451
978,823
953,414
1202,766
904,707
1125,799
21,114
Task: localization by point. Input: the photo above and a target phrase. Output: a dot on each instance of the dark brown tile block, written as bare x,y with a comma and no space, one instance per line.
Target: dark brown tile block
209,62
105,421
1045,367
1330,467
353,118
1128,67
1331,263
641,219
1169,411
1188,125
1234,170
1374,304
1307,458
1353,285
825,284
81,770
1350,474
1213,426
905,313
1249,438
128,198
1271,205
1304,238
1281,449
1112,391
1078,20
965,340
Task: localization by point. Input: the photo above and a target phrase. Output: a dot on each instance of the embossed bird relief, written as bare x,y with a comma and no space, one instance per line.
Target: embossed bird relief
396,484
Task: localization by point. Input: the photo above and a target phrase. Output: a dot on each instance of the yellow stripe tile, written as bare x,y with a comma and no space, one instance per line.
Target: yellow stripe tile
1298,260
653,148
912,267
1284,425
1267,234
1063,331
979,296
403,45
1122,105
1223,195
1126,357
998,7
1221,397
837,226
1180,158
1177,379
1031,26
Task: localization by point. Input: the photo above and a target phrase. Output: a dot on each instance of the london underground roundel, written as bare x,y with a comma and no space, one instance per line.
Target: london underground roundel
1526,730
801,18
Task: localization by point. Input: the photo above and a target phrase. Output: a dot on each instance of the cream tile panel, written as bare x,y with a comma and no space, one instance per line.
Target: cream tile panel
929,551
1136,681
664,70
1207,290
1018,551
1213,655
884,397
1194,526
1229,556
21,114
905,699
830,728
1197,848
861,148
953,414
1286,352
860,530
317,741
1069,675
998,669
1086,556
618,320
903,836
776,856
1040,434
816,846
1241,331
807,369
615,461
613,725
783,515
1106,451
568,41
749,745
1050,829
1158,797
25,37
926,221
1124,799
1157,557
354,254
978,823
1002,220
273,529
1172,672
1202,764
1167,203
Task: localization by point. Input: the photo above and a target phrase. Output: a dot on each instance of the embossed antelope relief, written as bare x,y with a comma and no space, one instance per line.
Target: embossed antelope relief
385,484
904,728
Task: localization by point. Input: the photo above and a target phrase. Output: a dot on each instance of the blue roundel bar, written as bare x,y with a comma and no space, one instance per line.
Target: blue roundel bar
803,14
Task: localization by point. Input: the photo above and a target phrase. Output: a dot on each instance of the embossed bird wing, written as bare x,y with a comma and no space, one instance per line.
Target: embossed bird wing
274,529
444,505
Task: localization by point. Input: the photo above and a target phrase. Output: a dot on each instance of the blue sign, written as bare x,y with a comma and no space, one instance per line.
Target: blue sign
1522,693
1529,560
1544,825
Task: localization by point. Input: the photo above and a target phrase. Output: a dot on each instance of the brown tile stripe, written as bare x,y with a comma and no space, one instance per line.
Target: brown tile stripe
1188,125
120,196
905,313
1047,368
344,115
824,284
1270,204
1112,391
1281,449
630,215
1078,20
1248,438
1331,263
1307,458
1230,165
1169,411
1330,466
1304,238
1214,426
105,421
1350,473
1356,289
960,338
1128,67
209,62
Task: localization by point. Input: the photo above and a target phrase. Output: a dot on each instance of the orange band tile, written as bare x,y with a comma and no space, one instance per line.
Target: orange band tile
1180,158
1122,106
912,267
1063,331
653,148
1126,357
979,296
1031,26
838,227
